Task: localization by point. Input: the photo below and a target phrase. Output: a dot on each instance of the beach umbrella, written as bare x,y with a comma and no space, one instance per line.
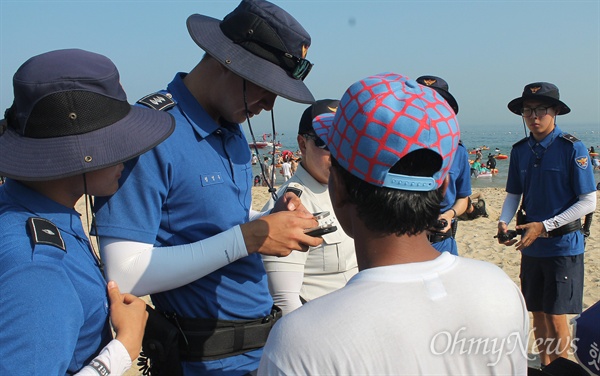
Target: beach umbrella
586,331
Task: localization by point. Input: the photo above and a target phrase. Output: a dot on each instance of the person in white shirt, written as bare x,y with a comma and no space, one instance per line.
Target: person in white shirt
410,309
303,276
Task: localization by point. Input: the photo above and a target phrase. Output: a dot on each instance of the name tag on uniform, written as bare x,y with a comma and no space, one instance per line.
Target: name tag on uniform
211,179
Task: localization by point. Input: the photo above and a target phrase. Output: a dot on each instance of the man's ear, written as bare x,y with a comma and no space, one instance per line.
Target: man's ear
301,144
444,185
337,189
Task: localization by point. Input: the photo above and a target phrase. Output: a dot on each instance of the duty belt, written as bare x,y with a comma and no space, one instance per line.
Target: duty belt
564,229
211,339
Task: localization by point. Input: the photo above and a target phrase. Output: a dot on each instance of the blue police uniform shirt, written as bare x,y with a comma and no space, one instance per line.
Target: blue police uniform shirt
54,304
459,186
550,182
194,185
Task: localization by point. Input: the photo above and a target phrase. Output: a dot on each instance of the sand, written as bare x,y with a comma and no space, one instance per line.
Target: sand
475,240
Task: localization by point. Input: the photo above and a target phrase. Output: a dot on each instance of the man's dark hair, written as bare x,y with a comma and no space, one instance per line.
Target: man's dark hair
393,211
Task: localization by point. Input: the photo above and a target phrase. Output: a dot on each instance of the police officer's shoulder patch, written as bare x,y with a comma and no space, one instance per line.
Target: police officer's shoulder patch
569,137
158,101
521,141
42,231
582,161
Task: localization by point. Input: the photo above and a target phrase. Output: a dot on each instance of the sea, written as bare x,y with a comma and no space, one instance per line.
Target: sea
475,137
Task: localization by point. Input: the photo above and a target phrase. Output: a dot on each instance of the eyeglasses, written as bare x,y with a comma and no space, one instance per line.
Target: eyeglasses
318,142
539,111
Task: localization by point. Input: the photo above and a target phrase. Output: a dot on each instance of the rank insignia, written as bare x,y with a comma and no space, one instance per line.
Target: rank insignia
45,232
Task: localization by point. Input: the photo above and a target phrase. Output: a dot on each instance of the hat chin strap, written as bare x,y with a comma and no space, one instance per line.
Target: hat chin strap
271,181
89,213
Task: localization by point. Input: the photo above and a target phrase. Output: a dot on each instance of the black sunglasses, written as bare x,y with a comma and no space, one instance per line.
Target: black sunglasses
317,140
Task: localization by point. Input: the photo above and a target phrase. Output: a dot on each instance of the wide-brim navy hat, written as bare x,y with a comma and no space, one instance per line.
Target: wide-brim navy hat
541,91
70,115
383,118
322,106
260,42
441,86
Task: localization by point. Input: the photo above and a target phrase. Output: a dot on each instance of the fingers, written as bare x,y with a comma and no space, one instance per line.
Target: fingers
114,294
279,234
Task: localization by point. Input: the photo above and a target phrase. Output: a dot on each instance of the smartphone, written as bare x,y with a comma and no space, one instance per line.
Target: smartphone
320,215
320,230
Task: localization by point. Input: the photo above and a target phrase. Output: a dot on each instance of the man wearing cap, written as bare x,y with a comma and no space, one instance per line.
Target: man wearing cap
552,244
392,142
304,276
66,135
181,228
456,199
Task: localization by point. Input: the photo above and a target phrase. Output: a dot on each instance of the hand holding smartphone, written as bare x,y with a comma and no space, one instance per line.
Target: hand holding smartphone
321,229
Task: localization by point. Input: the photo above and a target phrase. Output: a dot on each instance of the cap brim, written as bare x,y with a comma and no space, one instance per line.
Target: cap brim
207,34
516,104
39,159
448,97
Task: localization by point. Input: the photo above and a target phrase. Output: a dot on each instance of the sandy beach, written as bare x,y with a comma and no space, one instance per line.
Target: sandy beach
475,240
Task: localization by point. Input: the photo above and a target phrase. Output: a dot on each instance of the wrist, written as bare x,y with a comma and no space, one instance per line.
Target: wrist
453,213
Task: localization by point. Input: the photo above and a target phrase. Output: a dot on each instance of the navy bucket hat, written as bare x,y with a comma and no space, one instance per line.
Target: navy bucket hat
70,115
441,86
322,106
542,91
260,42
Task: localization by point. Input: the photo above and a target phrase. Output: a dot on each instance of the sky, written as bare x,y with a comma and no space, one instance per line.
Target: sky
486,50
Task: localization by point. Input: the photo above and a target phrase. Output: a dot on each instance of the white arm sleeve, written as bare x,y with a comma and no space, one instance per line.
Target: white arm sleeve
256,214
142,269
509,208
285,289
113,360
586,204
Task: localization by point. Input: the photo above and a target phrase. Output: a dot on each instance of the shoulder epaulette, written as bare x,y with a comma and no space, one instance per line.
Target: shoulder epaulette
569,137
45,232
520,141
158,101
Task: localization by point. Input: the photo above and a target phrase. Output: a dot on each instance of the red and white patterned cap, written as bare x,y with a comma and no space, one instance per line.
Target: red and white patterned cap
381,119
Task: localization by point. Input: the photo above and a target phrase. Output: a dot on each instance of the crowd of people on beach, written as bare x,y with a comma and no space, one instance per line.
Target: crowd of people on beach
352,267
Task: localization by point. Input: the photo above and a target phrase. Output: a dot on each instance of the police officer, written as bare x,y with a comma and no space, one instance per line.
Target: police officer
456,199
67,133
551,171
181,228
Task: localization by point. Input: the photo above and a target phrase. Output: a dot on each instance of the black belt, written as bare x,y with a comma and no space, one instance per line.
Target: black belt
436,237
564,229
211,339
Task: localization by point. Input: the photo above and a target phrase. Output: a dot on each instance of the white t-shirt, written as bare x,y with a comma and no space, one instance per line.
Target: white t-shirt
287,169
451,316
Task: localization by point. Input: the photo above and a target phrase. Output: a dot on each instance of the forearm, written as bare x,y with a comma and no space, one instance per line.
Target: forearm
142,269
285,289
586,204
460,206
509,208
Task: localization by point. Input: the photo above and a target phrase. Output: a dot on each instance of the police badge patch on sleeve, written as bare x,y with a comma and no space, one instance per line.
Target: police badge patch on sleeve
582,162
45,232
